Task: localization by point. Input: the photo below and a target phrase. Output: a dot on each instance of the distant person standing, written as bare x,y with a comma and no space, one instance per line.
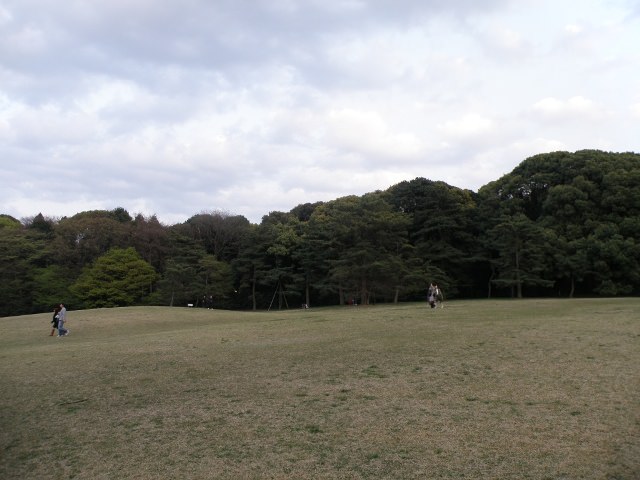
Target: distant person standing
54,320
439,296
431,295
62,316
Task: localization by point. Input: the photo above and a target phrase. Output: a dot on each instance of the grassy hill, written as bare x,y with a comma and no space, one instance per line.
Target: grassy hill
532,389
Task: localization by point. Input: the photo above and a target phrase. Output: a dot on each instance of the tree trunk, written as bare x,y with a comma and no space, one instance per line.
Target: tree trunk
573,287
364,293
518,280
253,289
490,283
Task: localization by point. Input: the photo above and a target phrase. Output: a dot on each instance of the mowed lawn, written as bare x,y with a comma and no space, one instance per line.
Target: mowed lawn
529,389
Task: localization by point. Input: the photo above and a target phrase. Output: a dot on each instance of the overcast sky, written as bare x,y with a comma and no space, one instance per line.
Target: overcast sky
175,108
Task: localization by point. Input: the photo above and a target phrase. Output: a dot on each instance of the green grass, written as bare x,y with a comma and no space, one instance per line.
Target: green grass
532,389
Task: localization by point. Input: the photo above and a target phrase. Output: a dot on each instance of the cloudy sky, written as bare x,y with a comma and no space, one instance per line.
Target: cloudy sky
175,108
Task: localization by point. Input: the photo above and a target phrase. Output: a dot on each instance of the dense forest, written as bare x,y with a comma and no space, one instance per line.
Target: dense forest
560,224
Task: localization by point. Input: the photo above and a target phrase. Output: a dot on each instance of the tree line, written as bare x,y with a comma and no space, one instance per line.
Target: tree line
560,224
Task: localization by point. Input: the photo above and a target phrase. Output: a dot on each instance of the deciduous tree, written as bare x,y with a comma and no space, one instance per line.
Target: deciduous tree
118,278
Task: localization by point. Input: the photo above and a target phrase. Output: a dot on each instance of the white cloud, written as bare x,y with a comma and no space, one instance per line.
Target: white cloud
366,134
506,42
28,40
469,126
175,108
5,16
49,126
577,106
573,29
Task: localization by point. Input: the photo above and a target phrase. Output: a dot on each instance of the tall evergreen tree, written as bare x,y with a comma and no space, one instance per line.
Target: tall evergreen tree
443,230
363,239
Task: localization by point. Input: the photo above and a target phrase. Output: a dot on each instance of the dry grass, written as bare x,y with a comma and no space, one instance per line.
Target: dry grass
481,389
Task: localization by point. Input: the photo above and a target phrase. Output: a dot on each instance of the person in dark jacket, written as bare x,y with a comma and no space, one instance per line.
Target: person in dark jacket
54,320
431,295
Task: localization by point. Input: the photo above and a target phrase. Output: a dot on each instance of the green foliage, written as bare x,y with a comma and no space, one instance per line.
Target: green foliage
7,221
120,215
81,239
364,240
218,280
118,278
586,210
560,223
151,240
219,233
248,265
51,286
270,261
521,247
41,224
443,230
22,253
180,283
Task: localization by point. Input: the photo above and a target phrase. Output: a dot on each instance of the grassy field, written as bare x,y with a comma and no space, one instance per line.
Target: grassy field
531,389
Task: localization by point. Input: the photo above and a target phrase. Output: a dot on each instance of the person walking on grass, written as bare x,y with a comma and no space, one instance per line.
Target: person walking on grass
62,316
434,296
439,296
431,295
54,321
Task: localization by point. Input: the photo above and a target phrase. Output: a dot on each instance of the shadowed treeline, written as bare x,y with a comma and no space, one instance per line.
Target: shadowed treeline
560,224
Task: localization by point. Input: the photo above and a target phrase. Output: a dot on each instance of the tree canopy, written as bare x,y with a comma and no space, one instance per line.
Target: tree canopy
118,278
559,224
